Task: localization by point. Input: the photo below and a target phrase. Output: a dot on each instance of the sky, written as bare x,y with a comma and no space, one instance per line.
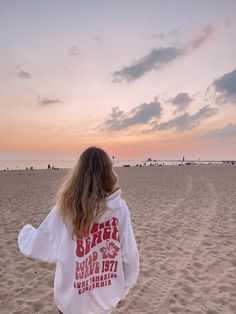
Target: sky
138,78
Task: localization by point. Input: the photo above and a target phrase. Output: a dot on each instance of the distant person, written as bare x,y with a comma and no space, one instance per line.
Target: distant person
49,166
88,234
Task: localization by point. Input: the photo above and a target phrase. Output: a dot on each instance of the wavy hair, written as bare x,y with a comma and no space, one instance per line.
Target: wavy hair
81,198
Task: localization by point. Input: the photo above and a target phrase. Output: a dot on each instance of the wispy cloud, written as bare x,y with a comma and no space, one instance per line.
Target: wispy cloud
164,35
43,101
23,74
199,40
74,51
139,115
161,57
228,21
187,121
228,131
156,59
225,86
181,101
97,38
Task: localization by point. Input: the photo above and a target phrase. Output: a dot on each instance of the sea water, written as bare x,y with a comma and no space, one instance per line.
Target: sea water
64,164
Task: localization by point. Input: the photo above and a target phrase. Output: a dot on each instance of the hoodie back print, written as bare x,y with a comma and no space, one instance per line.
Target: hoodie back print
94,273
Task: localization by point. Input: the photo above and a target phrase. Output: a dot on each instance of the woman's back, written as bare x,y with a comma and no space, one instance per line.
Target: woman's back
95,271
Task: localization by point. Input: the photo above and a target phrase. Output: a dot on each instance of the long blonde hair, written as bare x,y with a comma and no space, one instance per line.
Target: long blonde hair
81,198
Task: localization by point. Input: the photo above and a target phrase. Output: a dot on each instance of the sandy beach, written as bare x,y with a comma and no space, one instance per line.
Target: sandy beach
184,219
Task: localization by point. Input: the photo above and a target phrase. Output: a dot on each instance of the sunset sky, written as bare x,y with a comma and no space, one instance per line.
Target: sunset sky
138,78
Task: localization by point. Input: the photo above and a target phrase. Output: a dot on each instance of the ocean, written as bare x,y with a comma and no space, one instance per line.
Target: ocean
68,164
43,164
65,164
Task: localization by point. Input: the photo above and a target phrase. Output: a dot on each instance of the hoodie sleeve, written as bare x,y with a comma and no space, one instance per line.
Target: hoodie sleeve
130,255
41,243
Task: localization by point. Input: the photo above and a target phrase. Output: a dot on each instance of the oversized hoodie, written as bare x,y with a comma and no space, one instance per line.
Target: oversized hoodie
92,274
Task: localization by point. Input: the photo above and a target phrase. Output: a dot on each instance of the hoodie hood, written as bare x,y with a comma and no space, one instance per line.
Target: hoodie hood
112,203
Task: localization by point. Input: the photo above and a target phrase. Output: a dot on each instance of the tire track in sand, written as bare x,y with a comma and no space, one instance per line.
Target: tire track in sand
181,256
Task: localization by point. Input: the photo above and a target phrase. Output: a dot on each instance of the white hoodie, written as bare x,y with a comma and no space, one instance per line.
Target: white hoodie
94,274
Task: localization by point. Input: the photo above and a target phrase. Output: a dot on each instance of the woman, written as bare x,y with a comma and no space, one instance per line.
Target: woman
88,234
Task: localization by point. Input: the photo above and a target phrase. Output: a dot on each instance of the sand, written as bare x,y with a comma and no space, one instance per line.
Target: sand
184,219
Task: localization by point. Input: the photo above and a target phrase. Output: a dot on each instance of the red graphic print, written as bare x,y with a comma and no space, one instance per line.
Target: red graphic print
96,263
110,250
99,233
